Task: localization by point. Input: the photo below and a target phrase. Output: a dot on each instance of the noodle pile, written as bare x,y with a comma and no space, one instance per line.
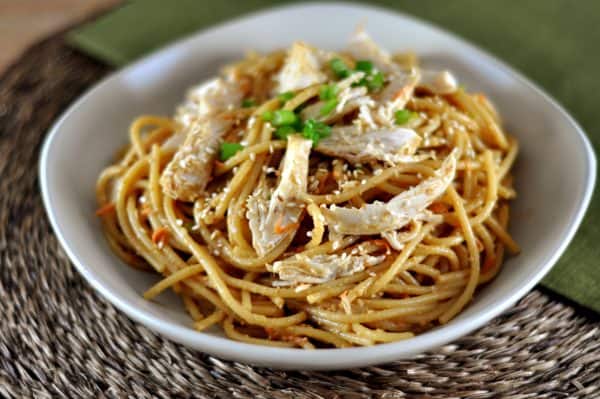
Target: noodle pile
308,271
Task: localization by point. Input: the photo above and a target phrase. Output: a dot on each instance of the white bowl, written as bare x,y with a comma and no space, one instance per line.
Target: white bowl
555,172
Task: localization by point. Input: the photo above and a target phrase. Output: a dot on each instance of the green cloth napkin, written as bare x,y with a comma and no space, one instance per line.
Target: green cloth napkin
555,43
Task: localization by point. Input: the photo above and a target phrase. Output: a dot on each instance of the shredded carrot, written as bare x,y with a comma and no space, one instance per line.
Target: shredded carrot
400,92
160,235
295,339
274,334
219,164
279,229
146,210
439,207
489,264
323,181
245,85
480,246
270,332
277,226
227,116
282,229
380,242
105,209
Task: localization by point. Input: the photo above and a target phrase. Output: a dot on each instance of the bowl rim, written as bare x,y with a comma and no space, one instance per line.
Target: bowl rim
320,359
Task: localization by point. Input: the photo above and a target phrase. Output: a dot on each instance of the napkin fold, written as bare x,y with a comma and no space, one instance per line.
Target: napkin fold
555,43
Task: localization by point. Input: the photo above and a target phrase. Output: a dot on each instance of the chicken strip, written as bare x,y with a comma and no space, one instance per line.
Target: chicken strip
187,174
362,47
273,217
302,68
438,82
319,269
380,217
390,145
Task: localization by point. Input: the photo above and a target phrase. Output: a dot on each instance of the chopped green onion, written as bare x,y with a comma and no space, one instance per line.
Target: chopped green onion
364,65
402,116
362,82
267,116
286,96
283,132
248,102
315,131
375,81
328,92
284,117
328,106
340,68
227,150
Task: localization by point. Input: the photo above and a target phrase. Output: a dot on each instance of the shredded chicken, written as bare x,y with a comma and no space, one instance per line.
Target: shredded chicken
188,173
321,268
389,145
272,220
208,99
398,212
362,47
395,95
397,239
175,141
438,82
302,68
349,99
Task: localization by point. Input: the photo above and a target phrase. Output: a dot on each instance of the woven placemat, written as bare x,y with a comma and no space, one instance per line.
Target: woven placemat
58,338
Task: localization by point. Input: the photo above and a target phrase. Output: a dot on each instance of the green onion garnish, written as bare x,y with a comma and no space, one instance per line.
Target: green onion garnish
283,97
375,81
284,117
364,65
402,116
227,150
339,67
328,106
248,102
267,116
328,92
315,131
283,132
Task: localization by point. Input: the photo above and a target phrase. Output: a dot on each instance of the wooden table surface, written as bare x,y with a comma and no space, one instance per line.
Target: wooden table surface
23,22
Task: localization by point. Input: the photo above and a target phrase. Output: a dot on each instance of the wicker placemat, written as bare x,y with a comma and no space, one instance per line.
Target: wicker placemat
59,339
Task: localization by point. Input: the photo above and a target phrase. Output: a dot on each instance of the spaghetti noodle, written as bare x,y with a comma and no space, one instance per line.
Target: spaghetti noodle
314,199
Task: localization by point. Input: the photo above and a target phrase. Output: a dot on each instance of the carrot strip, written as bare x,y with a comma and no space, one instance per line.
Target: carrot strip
105,209
160,235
